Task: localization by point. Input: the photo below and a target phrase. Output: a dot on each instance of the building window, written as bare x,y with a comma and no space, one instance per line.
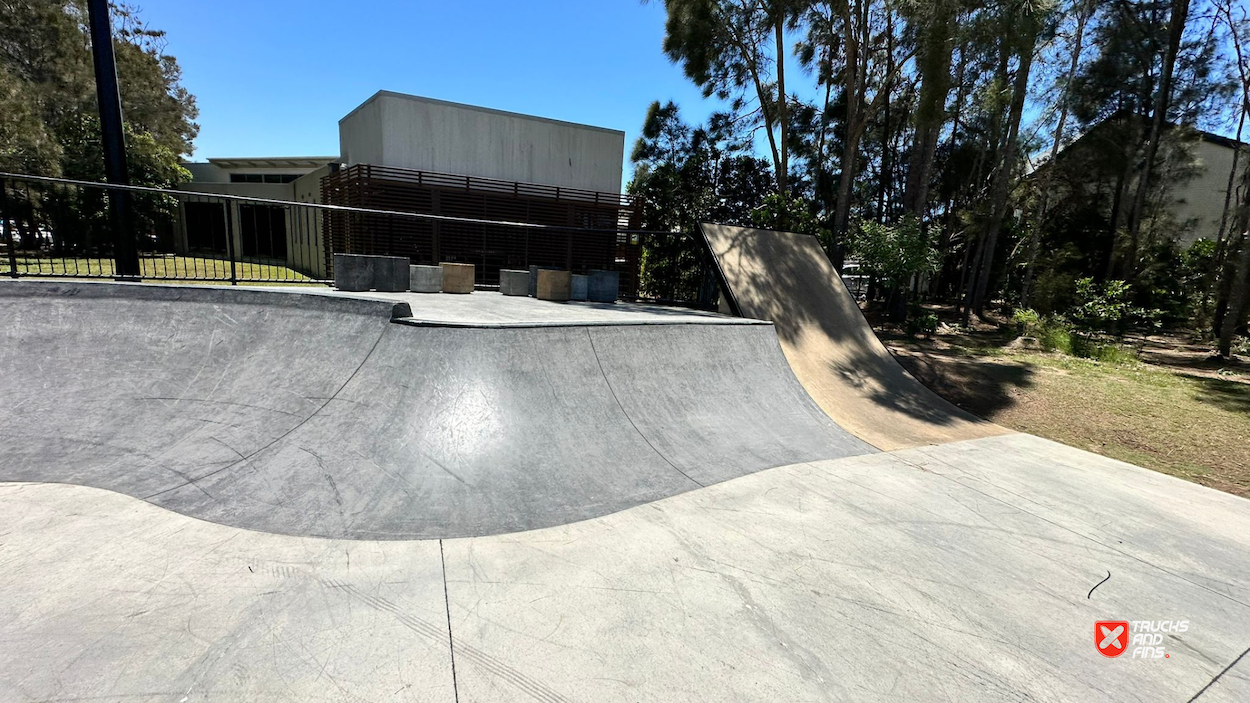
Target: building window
263,178
262,231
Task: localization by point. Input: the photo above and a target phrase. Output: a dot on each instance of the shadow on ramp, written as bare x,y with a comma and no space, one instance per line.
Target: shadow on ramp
786,278
314,415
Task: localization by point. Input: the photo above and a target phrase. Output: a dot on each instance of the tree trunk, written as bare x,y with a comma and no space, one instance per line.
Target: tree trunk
1039,217
934,65
1002,182
1176,28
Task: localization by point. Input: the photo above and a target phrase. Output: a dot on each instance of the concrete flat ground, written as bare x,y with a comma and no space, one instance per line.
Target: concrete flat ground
959,572
491,309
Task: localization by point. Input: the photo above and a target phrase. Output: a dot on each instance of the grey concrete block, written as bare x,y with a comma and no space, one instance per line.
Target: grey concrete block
603,286
425,279
579,289
513,282
353,272
390,273
534,277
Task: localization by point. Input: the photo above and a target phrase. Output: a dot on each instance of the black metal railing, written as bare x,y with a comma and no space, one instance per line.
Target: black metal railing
55,227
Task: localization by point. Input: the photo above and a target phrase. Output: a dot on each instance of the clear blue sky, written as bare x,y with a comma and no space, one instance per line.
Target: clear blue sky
273,77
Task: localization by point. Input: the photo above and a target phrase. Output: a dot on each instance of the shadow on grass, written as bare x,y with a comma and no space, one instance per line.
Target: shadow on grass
978,385
1225,395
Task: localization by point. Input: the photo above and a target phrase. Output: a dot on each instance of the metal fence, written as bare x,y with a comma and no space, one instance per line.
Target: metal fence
53,227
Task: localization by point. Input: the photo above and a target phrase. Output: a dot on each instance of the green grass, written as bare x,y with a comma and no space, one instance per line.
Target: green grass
1190,426
206,270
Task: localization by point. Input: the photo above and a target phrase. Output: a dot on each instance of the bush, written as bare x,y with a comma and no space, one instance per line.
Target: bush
925,324
1051,332
1108,353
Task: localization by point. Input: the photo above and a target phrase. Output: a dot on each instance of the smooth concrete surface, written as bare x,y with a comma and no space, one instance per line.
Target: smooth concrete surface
554,285
458,278
425,279
315,415
960,572
579,287
534,277
491,309
513,282
786,278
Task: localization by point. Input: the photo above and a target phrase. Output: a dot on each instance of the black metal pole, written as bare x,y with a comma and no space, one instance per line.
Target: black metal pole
8,233
125,254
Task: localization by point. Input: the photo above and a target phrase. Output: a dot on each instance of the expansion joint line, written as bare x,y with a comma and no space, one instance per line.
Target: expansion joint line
625,412
451,642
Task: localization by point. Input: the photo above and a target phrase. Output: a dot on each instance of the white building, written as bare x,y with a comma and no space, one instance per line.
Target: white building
484,147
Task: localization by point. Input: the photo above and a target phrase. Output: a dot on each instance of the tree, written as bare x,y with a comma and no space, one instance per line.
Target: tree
49,125
736,50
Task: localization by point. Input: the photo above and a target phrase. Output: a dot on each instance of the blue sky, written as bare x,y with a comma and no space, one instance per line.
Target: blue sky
273,77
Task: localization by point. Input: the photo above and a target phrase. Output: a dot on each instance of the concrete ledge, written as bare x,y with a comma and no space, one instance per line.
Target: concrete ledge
425,279
362,272
603,286
579,288
353,272
513,282
534,277
390,274
458,278
554,285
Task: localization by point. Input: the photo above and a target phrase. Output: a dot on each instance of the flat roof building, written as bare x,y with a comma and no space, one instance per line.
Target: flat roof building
416,154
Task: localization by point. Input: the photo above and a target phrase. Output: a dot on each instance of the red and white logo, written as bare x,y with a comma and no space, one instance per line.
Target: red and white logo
1111,637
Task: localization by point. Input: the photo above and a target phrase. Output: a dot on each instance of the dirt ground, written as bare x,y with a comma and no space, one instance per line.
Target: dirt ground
1175,410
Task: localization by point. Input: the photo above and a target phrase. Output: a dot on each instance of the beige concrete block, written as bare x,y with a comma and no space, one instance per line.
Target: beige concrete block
457,278
554,285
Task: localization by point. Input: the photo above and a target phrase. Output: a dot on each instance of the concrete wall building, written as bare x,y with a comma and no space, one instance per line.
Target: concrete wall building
420,139
406,131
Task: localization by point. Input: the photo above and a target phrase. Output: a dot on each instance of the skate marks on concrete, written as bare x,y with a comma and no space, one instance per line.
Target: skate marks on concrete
956,572
314,415
786,278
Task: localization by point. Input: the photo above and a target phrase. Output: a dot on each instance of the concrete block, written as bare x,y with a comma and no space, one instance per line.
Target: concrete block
512,282
458,278
534,277
425,279
603,286
579,287
390,273
353,272
554,285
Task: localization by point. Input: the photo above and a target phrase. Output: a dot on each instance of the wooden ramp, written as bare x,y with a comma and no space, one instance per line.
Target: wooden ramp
786,278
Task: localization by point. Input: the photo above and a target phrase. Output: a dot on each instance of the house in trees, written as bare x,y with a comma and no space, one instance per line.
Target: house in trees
1094,179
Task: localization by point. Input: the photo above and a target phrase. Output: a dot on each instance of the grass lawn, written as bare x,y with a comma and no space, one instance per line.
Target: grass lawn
211,270
1187,418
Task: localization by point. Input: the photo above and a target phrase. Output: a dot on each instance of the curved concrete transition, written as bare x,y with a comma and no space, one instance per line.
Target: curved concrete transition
786,278
313,415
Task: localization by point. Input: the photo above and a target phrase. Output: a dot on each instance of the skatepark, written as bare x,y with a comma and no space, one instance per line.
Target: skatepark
225,494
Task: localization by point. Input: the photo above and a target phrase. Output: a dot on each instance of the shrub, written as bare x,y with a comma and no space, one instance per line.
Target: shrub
925,324
1051,332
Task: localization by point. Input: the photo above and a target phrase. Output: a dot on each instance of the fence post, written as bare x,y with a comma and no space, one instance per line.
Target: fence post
231,209
8,231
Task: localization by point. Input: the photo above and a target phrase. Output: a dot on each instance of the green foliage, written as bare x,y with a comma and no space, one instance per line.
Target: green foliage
684,175
1106,308
49,123
792,215
923,324
896,252
1052,333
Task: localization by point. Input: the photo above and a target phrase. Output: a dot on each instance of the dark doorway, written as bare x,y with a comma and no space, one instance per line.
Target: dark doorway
263,231
206,227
